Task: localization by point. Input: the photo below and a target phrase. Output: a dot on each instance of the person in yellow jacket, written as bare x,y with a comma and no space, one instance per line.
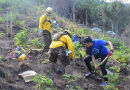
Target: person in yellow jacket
62,50
45,28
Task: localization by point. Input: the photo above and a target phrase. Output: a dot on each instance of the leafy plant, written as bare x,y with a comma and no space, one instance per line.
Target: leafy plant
113,79
21,38
115,68
110,87
43,82
70,87
36,43
82,52
83,32
78,88
70,78
77,47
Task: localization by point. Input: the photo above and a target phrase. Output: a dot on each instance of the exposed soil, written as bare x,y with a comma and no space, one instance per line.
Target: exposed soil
9,68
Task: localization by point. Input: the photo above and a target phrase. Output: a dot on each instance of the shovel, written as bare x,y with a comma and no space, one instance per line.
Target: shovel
99,70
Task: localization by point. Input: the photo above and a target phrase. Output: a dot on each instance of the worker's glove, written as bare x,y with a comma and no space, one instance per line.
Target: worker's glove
54,24
110,52
40,30
67,52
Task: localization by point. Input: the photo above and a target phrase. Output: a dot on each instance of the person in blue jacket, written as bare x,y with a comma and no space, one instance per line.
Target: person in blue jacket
95,48
74,38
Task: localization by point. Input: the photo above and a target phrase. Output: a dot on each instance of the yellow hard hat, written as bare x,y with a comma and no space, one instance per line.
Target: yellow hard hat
21,57
49,9
68,32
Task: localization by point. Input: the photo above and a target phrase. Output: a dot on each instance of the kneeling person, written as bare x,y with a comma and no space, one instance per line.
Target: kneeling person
62,43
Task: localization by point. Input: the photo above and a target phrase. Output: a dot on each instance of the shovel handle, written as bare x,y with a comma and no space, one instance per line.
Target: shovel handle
109,54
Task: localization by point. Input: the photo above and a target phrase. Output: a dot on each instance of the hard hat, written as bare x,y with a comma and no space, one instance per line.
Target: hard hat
21,57
68,32
49,9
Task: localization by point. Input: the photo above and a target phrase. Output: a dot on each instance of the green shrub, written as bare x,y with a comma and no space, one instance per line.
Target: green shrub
36,43
83,32
43,82
70,78
113,79
82,52
21,38
77,47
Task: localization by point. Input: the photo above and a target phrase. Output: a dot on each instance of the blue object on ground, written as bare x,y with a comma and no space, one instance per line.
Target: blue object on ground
104,84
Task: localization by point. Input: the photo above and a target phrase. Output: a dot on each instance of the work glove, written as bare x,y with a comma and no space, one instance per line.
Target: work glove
39,32
54,24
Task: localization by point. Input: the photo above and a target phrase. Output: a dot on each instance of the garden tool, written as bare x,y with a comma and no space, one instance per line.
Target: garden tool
99,69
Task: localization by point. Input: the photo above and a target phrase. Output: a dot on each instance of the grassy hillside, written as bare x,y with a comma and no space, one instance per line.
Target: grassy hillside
21,22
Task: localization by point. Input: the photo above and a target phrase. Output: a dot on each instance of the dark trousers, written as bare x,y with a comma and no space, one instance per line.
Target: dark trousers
88,59
46,39
58,55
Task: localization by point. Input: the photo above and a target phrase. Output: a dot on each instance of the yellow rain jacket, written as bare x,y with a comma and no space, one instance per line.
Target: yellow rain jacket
45,23
67,40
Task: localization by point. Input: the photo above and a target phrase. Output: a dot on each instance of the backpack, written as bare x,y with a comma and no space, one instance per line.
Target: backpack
57,36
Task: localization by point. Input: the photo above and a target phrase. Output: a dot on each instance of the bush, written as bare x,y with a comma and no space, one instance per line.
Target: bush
43,82
21,38
36,43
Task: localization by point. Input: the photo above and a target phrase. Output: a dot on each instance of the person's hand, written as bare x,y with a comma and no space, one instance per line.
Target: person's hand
111,51
40,31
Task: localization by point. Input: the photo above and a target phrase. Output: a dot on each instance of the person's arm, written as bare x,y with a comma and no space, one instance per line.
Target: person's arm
94,62
70,46
111,46
42,18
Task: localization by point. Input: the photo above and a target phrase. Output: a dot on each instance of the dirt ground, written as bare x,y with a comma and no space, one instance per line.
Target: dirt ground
9,70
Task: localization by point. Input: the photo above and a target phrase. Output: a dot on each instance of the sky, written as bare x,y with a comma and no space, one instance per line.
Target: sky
124,1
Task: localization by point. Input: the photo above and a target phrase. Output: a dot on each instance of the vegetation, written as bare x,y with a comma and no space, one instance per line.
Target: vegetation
71,79
43,82
21,38
113,79
36,43
91,13
77,47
